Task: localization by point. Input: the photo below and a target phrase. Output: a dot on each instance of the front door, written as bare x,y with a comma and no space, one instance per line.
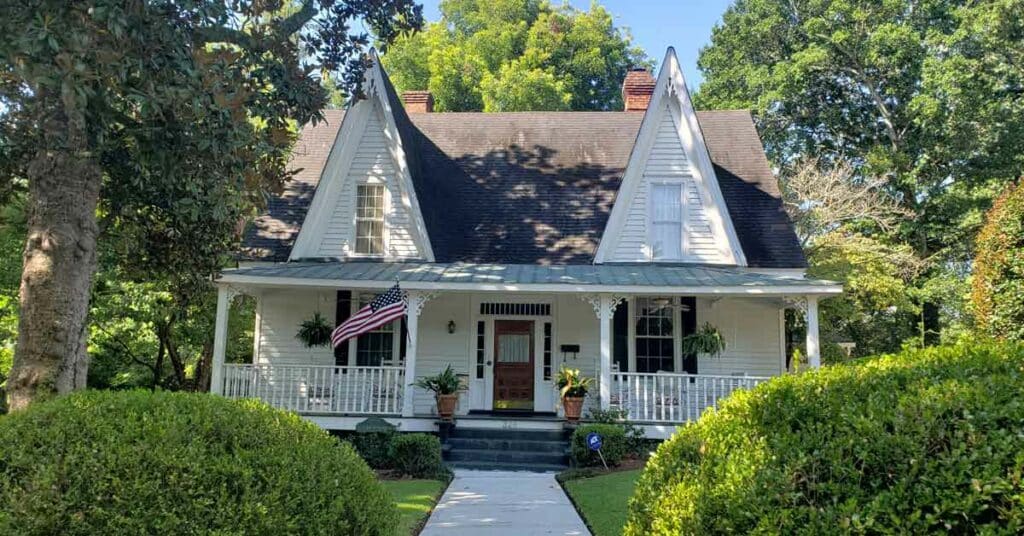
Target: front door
513,364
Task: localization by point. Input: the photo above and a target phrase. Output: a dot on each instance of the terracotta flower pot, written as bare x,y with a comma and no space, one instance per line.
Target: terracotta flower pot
573,407
446,406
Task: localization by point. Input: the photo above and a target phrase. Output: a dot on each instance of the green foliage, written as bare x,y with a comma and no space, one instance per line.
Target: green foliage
922,442
998,286
102,462
417,455
445,382
572,383
614,445
923,97
315,331
375,448
516,55
706,340
877,309
636,440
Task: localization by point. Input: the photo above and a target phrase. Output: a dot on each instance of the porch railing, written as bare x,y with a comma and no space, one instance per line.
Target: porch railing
319,389
672,397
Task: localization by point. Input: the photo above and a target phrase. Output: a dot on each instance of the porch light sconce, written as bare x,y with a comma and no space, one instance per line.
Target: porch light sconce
451,326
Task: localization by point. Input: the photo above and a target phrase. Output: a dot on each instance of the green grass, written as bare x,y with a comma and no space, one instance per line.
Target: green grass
415,499
603,500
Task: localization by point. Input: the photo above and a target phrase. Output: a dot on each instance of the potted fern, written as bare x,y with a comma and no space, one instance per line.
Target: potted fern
445,386
315,331
572,388
706,340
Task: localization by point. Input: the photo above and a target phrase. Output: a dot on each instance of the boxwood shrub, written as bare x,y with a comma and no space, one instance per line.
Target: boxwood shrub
926,441
136,462
614,445
417,455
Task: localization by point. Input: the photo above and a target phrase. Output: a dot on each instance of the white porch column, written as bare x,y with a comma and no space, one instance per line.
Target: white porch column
813,345
417,300
604,306
220,339
605,318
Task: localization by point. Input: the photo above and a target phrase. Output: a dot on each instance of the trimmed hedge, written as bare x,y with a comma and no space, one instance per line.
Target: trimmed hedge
136,462
614,445
417,455
926,441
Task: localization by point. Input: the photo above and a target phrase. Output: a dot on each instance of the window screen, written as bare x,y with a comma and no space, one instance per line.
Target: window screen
667,221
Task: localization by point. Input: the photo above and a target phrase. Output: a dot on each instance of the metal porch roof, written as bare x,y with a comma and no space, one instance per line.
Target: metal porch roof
465,276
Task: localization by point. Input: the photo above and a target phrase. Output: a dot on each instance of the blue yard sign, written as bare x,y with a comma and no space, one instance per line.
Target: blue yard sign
594,443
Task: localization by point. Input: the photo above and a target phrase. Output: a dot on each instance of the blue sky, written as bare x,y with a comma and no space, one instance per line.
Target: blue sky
655,25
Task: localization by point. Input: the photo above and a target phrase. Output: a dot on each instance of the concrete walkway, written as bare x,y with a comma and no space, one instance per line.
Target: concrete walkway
504,502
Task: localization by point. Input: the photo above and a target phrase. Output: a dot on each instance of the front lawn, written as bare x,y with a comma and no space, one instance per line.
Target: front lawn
415,499
603,500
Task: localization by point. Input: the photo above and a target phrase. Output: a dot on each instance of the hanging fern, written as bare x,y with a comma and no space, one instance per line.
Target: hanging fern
315,331
706,340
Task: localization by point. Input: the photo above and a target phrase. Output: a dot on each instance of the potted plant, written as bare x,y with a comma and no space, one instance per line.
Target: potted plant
445,386
572,389
315,331
706,340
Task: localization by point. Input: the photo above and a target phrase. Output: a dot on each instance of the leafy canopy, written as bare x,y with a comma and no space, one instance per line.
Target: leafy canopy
998,286
516,55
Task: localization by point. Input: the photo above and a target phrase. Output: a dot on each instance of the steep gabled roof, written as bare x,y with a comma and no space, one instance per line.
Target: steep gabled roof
536,187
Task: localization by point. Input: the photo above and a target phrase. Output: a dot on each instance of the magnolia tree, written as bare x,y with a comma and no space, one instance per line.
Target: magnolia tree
164,121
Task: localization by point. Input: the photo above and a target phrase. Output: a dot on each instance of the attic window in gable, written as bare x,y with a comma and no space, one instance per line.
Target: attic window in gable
370,219
667,221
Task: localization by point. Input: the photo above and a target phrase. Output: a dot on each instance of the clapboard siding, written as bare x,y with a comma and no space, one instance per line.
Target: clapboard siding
667,162
753,337
372,164
281,312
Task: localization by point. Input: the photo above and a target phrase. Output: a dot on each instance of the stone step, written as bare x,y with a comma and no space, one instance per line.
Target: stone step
504,466
529,435
508,456
530,445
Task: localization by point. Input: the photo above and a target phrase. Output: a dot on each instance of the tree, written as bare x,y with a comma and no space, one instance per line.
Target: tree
998,287
822,197
168,119
516,55
926,97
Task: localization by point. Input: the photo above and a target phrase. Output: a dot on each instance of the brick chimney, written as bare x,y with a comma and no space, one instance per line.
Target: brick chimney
418,102
637,89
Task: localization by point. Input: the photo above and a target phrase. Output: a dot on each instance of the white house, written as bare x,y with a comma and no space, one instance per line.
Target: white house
525,241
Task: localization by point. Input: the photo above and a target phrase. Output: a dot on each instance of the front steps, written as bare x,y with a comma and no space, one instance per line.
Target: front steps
507,450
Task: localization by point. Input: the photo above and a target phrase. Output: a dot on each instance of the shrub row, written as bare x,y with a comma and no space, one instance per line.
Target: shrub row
927,441
614,445
415,455
136,462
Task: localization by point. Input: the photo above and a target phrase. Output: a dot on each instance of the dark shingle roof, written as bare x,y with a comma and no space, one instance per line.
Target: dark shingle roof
537,187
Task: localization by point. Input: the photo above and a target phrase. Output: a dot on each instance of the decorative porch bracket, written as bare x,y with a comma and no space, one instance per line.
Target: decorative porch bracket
604,307
416,301
808,305
225,296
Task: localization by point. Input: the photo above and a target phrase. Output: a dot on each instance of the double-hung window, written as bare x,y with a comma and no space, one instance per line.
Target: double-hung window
370,219
667,221
379,347
655,335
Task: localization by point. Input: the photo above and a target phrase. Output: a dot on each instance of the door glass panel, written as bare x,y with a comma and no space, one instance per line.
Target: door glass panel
514,348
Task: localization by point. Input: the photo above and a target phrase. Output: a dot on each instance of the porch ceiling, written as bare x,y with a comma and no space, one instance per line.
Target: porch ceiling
623,278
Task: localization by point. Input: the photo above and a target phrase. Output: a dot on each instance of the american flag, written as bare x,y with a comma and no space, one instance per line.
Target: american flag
383,309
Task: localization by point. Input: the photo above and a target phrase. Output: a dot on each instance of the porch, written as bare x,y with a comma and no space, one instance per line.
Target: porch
506,339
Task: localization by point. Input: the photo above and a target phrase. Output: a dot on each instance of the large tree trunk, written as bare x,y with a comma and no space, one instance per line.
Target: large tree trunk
60,259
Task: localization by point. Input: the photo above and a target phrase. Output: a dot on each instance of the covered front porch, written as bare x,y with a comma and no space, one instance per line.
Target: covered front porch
506,330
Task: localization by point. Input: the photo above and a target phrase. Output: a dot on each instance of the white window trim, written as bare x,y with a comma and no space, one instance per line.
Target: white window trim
386,238
677,361
683,216
355,305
